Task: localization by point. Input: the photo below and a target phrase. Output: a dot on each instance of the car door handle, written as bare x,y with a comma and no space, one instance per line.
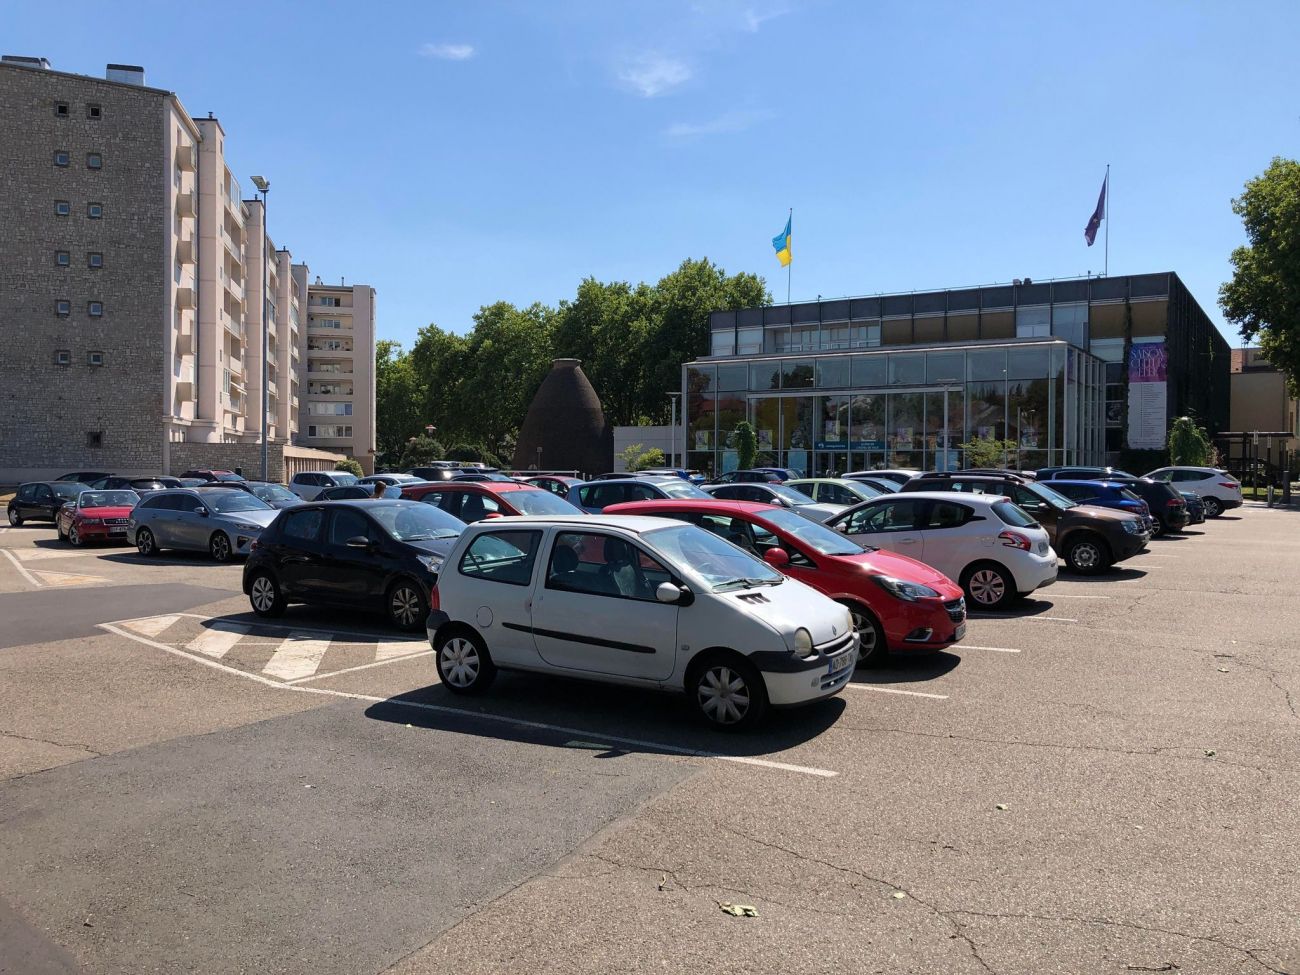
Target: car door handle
908,541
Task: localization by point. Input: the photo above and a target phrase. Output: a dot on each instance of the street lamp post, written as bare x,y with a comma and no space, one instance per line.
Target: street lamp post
264,187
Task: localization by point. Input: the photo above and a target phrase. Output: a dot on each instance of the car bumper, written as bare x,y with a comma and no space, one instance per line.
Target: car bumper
794,681
102,533
1035,571
1230,503
924,625
1127,546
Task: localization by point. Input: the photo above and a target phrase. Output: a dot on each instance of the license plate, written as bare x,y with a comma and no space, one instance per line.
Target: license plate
961,631
839,663
117,531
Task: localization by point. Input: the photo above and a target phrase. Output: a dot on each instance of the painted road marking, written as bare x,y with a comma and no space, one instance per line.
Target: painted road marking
1049,619
478,715
153,625
348,670
388,649
971,646
56,579
23,572
297,656
1067,595
217,640
891,690
37,554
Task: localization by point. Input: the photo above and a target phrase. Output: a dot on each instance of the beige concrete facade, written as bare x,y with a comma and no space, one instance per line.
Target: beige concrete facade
1260,400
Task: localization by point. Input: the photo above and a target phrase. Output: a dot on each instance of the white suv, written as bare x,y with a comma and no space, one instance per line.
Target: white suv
1218,489
641,601
993,548
308,484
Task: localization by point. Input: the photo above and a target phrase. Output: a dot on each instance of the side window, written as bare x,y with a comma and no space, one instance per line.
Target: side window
837,494
502,557
43,493
302,526
894,516
603,565
27,492
433,497
808,489
1027,499
946,514
587,495
1182,476
641,492
735,530
184,502
473,506
1162,475
347,523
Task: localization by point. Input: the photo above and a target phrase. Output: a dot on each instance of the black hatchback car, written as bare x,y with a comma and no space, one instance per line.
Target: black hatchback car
41,500
381,555
1167,506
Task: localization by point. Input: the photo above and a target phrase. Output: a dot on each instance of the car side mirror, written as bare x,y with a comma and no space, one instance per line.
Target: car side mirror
842,527
666,592
358,541
779,502
201,511
776,557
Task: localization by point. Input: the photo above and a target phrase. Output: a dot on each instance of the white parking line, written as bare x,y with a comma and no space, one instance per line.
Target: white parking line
479,715
23,572
1049,619
971,646
348,670
216,641
297,656
891,690
1067,595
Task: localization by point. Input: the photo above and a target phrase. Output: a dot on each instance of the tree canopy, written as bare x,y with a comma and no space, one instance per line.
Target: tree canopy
1263,297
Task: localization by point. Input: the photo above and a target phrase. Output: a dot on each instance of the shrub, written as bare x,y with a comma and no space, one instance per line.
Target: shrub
746,445
350,465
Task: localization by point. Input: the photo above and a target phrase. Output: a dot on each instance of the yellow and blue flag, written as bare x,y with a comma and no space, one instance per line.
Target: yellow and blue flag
781,242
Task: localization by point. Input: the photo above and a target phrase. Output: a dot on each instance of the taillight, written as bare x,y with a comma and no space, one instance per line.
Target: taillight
1228,484
252,546
1174,503
434,601
1015,540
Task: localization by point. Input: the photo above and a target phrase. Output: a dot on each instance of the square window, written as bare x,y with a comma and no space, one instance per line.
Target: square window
61,158
93,110
95,259
94,438
94,160
95,308
61,109
62,208
63,357
63,307
62,258
95,358
94,210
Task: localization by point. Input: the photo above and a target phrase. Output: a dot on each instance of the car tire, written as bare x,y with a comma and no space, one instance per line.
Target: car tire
1158,528
873,649
727,692
219,547
1213,507
75,538
265,597
406,605
15,518
988,586
1087,554
145,544
464,664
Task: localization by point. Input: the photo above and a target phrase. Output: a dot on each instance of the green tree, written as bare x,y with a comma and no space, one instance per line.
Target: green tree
421,451
987,451
475,453
608,327
1189,444
399,400
350,465
636,458
1263,297
746,445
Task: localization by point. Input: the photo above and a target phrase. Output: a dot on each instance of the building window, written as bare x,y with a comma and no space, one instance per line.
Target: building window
95,358
63,357
94,160
93,110
62,258
1033,322
95,259
61,157
94,210
62,208
61,109
94,438
95,309
63,307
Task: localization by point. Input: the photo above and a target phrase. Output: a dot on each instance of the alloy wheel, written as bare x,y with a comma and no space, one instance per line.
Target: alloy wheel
14,518
987,587
405,605
460,662
1213,508
723,695
868,638
263,594
220,547
74,536
144,542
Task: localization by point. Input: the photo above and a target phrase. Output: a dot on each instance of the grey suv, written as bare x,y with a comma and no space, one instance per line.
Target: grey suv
220,521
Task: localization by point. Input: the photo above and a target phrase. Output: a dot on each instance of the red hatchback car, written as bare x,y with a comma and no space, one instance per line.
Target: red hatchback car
897,603
472,501
96,516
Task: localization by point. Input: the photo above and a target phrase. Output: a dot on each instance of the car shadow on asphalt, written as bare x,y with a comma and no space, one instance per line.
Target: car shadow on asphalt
337,620
129,556
900,668
1116,573
606,719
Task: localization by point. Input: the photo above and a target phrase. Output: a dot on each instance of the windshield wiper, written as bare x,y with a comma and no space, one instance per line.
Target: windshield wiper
746,583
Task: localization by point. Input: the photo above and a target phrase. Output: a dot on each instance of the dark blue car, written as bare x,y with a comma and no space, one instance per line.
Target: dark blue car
1104,494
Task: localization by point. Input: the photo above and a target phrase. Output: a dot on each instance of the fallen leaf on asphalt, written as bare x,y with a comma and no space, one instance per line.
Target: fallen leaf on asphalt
739,910
1002,806
898,895
1210,753
1223,670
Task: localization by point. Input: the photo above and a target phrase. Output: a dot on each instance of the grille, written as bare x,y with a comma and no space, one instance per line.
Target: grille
956,609
115,521
837,645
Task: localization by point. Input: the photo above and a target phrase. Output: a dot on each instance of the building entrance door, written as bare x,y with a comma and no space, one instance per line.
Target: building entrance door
827,461
865,460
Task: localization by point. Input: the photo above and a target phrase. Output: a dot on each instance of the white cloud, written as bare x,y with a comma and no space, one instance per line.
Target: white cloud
447,52
754,19
650,75
725,123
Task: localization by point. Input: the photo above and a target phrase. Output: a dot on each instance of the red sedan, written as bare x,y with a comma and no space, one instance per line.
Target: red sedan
472,501
897,603
96,516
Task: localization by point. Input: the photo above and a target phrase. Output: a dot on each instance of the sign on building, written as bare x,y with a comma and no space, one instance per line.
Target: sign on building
1148,369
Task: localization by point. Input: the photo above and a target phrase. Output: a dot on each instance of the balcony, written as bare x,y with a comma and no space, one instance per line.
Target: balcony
233,247
185,250
186,158
185,335
184,297
233,326
186,204
235,288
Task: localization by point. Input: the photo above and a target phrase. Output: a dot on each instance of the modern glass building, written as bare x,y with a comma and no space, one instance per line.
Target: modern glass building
1072,372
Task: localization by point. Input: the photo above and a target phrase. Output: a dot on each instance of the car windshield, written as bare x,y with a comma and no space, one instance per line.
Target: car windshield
712,561
67,490
1047,494
107,499
789,494
411,521
343,479
273,492
816,536
677,488
226,476
227,502
540,502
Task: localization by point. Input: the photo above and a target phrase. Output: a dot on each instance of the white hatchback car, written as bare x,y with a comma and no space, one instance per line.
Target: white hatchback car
641,601
994,549
1218,489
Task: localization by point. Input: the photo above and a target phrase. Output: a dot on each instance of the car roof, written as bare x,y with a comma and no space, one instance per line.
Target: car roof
718,506
489,486
1089,481
818,480
618,480
639,524
964,496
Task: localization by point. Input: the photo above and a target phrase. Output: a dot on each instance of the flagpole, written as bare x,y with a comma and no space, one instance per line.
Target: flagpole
1107,272
789,268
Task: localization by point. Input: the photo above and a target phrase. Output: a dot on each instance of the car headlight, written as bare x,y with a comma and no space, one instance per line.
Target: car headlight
908,591
1133,527
431,562
803,645
248,528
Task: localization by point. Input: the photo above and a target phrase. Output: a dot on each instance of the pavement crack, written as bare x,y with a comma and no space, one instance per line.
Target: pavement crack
50,741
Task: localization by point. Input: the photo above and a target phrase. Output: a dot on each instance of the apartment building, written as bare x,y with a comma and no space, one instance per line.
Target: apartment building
338,349
132,308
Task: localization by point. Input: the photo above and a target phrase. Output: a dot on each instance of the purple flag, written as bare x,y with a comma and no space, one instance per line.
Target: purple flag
1099,214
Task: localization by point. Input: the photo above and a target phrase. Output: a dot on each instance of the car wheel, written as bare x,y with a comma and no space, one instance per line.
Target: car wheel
1088,555
144,542
407,606
219,547
988,586
1213,507
464,664
728,693
265,597
1158,528
15,518
74,536
872,648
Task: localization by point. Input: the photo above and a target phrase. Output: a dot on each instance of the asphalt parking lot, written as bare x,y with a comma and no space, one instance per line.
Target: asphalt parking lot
1104,780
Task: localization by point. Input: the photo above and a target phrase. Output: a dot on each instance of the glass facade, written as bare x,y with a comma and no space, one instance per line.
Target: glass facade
857,410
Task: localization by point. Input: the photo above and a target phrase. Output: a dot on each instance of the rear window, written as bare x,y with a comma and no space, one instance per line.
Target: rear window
344,479
1010,514
540,502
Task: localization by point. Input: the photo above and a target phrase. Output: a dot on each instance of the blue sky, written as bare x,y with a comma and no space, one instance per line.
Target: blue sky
455,154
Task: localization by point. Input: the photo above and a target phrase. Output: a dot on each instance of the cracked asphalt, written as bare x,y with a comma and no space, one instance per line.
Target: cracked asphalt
1105,782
